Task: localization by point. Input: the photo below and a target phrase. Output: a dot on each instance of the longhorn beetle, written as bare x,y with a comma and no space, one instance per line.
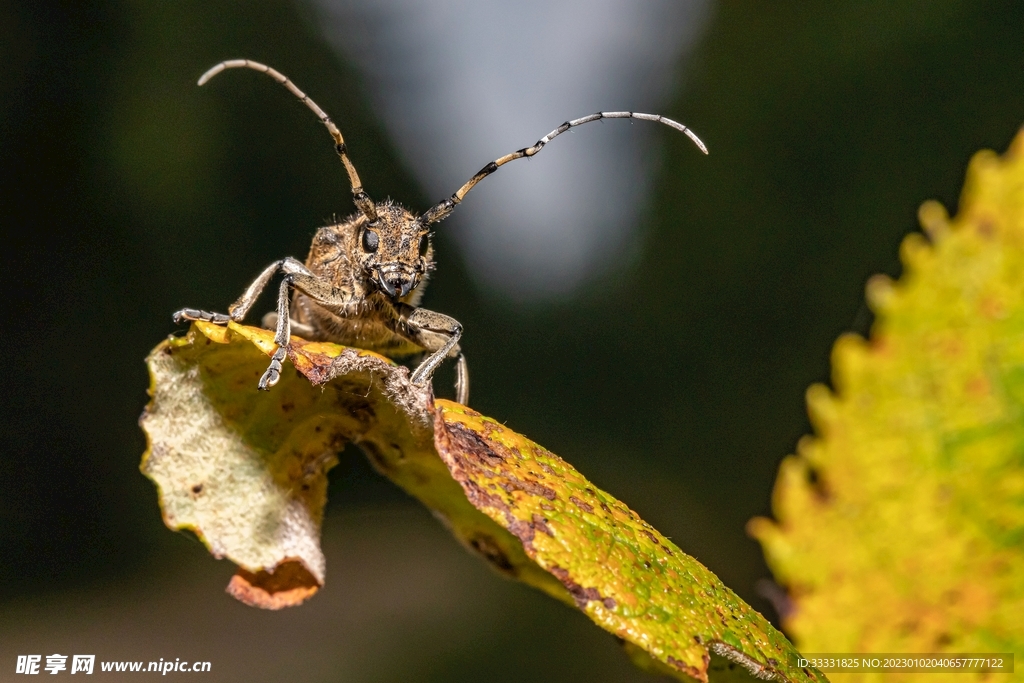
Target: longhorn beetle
364,277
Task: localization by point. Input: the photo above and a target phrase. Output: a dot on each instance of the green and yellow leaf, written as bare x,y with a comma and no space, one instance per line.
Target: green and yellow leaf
900,525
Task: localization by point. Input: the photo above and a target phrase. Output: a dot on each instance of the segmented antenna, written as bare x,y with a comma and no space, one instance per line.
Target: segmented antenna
442,209
361,199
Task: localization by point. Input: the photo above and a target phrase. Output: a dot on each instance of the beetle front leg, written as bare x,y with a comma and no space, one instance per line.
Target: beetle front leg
189,314
298,277
282,337
439,334
269,322
237,310
240,308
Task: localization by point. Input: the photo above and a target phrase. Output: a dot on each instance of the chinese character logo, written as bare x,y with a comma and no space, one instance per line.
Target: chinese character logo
82,664
55,663
28,664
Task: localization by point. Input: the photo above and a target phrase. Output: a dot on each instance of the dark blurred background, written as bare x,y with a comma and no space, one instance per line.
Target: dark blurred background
676,382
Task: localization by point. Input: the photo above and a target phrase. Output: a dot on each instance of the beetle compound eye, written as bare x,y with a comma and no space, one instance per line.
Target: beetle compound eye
424,245
370,240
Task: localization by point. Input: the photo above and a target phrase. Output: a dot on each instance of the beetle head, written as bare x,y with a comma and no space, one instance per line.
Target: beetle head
394,251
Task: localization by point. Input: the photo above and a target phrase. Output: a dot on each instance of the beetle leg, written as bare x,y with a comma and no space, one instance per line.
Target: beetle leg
269,322
237,310
439,334
296,276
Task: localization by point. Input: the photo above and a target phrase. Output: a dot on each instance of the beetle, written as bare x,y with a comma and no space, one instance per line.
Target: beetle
363,279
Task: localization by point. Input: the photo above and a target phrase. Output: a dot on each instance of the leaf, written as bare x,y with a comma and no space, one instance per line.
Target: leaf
246,471
626,576
901,524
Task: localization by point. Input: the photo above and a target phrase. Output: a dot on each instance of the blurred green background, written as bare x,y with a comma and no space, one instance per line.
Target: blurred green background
676,384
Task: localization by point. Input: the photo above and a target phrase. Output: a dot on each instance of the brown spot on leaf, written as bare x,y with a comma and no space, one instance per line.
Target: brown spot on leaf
472,453
481,498
287,585
533,488
581,504
541,524
489,549
547,468
470,412
818,485
581,595
691,671
316,367
648,534
473,445
398,450
375,455
524,531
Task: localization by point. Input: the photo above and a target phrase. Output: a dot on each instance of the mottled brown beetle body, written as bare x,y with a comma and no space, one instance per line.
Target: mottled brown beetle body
368,321
363,279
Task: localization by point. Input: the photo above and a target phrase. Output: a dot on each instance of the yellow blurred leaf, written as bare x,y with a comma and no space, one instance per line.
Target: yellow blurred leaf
246,471
900,526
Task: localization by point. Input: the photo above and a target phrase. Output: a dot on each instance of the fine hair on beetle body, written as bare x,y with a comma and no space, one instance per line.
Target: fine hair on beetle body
364,277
